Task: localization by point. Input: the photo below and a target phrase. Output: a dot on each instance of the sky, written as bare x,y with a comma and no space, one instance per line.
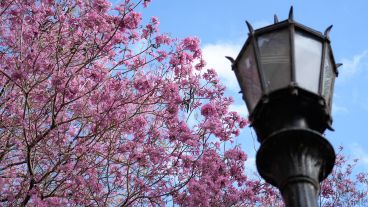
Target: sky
220,25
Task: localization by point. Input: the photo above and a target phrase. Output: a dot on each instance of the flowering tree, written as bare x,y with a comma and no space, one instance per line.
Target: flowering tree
98,108
342,187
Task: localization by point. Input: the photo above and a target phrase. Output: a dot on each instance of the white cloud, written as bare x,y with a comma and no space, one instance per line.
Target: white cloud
214,55
241,109
354,65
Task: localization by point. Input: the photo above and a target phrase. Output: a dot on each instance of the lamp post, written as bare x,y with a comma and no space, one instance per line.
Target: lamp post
286,73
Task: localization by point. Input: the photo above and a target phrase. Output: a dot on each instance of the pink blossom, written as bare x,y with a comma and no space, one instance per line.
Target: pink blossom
191,43
102,5
155,21
132,20
243,123
163,39
142,84
235,154
146,2
208,110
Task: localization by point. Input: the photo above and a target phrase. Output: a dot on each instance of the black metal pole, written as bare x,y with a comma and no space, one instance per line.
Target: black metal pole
295,161
300,194
293,156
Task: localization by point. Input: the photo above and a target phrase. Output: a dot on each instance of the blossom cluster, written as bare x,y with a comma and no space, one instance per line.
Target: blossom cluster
99,108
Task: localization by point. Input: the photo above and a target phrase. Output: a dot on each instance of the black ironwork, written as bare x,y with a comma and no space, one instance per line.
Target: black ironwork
293,155
289,121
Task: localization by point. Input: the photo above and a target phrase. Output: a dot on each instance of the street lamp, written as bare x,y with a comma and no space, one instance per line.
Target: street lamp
286,73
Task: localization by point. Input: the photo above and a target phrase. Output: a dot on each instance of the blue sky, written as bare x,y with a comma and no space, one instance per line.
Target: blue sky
221,27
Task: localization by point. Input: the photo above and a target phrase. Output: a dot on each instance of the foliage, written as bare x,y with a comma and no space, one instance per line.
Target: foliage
100,109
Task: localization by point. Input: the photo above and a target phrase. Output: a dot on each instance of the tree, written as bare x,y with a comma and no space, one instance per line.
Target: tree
98,108
343,187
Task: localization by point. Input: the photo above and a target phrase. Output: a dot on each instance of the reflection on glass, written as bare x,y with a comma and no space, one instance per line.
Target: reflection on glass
274,50
328,78
248,77
308,56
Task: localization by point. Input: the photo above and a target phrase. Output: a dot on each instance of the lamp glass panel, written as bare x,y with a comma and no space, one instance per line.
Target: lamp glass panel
248,78
328,78
274,52
308,57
